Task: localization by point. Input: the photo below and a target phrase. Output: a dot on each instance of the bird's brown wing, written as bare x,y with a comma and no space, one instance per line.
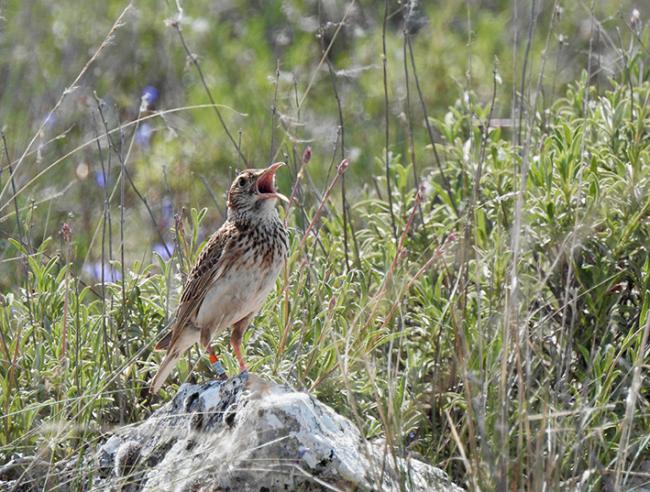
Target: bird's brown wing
203,274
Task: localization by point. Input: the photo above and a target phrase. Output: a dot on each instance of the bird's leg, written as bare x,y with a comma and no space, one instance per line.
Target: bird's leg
216,363
214,359
236,335
235,342
212,354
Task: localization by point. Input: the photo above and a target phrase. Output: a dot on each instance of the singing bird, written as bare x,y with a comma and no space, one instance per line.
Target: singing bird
234,273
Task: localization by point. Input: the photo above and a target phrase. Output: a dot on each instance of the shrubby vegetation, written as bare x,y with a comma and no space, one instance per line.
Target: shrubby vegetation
489,312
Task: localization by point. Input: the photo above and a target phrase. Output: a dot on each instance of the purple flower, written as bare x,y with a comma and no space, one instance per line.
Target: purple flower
149,95
200,237
167,208
50,120
161,251
100,178
94,271
143,135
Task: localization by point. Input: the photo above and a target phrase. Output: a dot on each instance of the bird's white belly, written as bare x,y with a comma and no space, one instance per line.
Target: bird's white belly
235,295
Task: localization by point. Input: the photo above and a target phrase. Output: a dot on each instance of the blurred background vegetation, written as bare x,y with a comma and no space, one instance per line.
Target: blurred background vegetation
492,324
263,61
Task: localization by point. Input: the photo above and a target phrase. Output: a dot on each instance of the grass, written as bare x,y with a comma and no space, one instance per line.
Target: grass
493,322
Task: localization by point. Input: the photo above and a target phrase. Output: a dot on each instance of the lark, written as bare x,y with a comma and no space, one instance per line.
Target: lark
234,273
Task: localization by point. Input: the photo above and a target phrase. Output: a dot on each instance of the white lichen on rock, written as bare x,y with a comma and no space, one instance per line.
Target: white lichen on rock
250,434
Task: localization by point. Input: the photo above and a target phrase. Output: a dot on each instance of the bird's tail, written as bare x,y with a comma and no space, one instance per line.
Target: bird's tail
168,363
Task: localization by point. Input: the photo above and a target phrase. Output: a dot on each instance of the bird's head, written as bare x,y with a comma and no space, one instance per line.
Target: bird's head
253,192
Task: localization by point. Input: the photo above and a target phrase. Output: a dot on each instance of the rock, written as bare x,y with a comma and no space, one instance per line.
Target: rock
250,434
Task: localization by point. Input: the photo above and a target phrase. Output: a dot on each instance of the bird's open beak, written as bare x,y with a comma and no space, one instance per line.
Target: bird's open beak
266,183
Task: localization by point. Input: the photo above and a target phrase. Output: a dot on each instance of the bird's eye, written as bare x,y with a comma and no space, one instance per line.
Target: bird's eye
241,182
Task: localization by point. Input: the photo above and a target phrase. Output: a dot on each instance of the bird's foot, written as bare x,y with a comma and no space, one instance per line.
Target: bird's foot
217,366
219,369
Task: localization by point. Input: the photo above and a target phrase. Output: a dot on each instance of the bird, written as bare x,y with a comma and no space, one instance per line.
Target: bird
234,273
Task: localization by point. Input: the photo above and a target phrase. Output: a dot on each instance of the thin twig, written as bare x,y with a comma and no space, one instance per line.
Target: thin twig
119,128
106,42
427,123
632,397
524,68
341,130
316,71
12,179
274,110
26,243
343,166
409,116
386,123
106,231
176,25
